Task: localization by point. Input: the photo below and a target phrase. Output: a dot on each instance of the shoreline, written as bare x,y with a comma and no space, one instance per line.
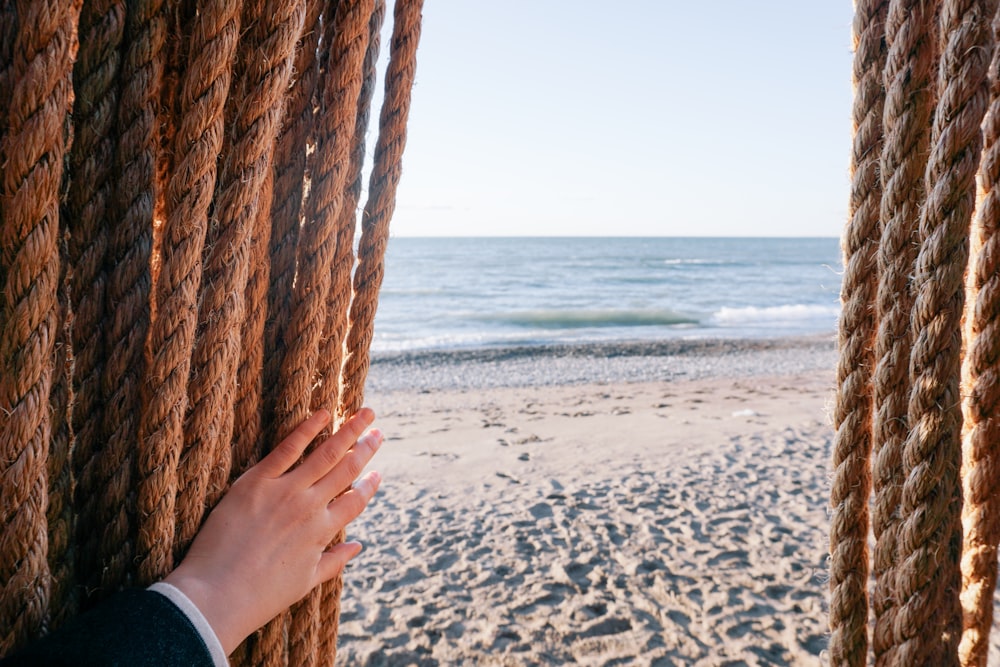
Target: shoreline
597,362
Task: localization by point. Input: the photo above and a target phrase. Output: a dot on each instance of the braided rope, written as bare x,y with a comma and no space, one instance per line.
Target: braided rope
386,172
981,456
909,105
325,395
89,202
32,152
59,513
272,50
255,110
316,249
286,208
928,622
852,417
198,139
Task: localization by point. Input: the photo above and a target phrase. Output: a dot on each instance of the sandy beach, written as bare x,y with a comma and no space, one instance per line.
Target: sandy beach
647,504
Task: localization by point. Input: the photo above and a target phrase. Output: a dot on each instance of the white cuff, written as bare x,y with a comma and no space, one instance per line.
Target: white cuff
194,615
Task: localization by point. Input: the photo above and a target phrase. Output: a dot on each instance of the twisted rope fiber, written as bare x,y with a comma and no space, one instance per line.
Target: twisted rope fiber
386,172
255,109
317,246
327,388
286,208
271,51
128,295
8,35
325,394
981,389
198,139
32,153
853,413
88,204
909,105
59,513
928,623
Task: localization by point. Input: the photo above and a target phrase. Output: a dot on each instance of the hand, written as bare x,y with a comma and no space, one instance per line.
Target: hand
265,545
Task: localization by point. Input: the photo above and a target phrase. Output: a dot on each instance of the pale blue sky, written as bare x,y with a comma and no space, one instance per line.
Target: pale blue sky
659,118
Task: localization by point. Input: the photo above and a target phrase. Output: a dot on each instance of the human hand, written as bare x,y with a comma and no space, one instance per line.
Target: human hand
265,545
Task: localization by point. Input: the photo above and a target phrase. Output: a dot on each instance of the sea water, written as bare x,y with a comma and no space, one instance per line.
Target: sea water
442,293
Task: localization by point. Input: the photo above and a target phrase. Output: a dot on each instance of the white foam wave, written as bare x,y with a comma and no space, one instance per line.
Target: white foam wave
804,314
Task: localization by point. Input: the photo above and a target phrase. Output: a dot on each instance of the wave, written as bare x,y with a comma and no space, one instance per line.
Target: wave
579,319
789,314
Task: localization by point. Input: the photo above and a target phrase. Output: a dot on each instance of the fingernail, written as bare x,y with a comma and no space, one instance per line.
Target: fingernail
376,477
377,436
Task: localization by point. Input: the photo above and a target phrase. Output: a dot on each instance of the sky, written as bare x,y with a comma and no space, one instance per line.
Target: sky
633,118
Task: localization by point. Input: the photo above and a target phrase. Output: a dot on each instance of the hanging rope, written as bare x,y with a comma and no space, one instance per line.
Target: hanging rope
909,104
853,413
927,583
32,152
209,201
981,459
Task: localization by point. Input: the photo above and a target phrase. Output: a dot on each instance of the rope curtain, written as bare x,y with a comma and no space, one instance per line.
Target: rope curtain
178,200
916,411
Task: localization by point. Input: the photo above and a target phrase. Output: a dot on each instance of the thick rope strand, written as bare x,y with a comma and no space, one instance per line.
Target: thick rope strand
286,208
315,252
32,152
981,390
89,203
853,413
909,105
198,140
268,73
928,623
386,172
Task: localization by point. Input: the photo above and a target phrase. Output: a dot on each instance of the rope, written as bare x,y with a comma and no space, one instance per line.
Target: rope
909,105
928,623
32,153
204,88
981,461
325,395
315,253
853,412
272,39
128,293
286,207
88,205
59,513
386,171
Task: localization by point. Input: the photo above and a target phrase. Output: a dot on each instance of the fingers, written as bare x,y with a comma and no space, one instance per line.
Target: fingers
347,506
288,451
332,562
350,465
329,453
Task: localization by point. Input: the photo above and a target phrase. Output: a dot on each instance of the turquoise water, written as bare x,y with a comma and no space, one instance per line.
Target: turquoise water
475,292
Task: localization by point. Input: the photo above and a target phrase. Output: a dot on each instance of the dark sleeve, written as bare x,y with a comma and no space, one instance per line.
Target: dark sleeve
135,628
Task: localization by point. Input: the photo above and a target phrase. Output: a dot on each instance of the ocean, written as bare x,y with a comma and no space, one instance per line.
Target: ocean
461,293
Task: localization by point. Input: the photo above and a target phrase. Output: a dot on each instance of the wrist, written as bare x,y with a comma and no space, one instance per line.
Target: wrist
218,609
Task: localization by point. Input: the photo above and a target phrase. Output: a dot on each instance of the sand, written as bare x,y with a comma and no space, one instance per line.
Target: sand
631,505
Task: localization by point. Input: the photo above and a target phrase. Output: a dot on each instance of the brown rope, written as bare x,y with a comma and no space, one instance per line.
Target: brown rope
128,292
59,513
315,253
271,51
331,355
325,395
928,623
32,153
89,203
909,104
853,413
286,207
203,91
386,171
981,459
